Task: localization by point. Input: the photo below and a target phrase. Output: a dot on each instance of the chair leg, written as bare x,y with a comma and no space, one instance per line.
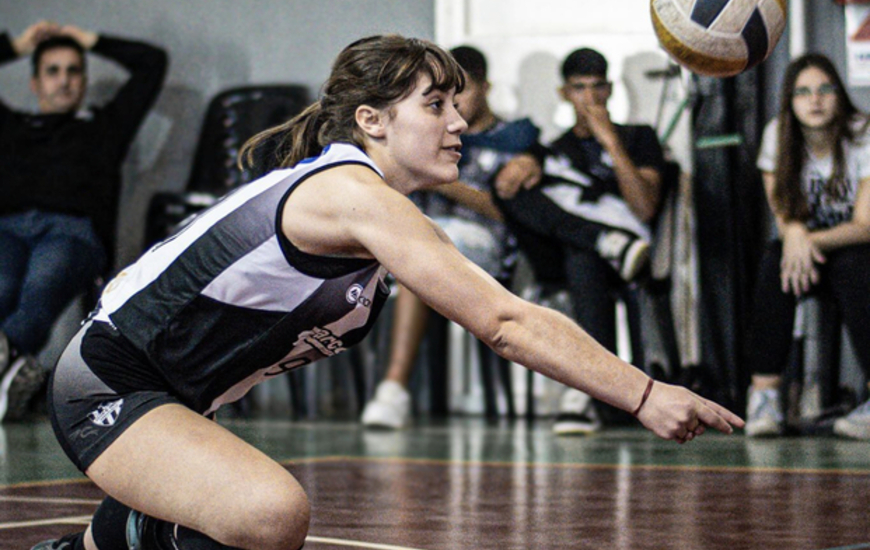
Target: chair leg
504,370
436,334
492,365
530,394
489,394
296,381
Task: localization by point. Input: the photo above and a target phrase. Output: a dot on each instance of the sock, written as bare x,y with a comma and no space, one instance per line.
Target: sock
110,524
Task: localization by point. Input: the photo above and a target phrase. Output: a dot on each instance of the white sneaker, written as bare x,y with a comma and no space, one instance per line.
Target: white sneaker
577,414
390,408
856,424
764,413
626,253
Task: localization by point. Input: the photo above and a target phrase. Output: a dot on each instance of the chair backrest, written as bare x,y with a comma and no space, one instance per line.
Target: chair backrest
232,117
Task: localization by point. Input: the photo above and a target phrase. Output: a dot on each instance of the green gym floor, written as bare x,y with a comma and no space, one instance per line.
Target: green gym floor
469,483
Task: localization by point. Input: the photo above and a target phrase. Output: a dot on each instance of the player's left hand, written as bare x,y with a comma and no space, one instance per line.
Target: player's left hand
675,413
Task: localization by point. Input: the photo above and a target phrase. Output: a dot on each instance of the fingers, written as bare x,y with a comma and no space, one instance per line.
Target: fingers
532,181
729,416
25,43
712,418
506,189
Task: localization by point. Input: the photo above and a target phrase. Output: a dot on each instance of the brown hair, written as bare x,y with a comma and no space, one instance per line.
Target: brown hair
376,71
788,196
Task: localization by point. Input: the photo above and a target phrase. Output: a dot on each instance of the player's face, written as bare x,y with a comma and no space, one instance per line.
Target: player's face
60,83
422,135
814,98
586,90
471,102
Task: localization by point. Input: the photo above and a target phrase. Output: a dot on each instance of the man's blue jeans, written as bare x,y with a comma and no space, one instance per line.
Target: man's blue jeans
46,260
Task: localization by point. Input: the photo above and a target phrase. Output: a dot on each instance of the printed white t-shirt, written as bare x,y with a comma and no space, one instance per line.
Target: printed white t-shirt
825,210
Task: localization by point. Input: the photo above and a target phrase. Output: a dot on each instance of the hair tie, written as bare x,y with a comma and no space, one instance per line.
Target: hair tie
643,399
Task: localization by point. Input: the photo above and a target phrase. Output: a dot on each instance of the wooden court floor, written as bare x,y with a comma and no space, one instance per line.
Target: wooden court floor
469,484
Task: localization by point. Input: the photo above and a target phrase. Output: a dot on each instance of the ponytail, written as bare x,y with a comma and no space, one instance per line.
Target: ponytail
284,145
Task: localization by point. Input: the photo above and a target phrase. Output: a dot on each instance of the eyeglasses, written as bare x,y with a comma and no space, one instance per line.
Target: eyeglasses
806,91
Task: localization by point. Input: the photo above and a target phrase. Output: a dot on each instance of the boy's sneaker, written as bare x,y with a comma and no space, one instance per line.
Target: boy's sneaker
764,413
626,253
20,382
390,408
577,414
856,424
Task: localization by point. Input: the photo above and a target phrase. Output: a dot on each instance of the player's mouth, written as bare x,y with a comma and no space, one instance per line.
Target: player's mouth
454,150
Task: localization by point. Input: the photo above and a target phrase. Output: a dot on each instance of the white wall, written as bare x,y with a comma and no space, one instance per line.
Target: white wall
213,45
526,42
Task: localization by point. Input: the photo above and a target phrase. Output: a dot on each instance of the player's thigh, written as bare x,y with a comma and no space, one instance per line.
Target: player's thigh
176,465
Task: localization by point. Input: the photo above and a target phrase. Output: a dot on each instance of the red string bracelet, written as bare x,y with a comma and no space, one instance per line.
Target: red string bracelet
643,399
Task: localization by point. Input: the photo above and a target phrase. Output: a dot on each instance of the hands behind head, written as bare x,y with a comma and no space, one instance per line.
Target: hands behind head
27,41
675,413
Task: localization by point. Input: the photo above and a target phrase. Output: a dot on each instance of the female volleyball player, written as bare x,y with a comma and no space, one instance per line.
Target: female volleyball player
815,163
280,273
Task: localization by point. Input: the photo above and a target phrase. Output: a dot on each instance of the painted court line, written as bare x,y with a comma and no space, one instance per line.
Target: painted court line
71,520
357,544
51,500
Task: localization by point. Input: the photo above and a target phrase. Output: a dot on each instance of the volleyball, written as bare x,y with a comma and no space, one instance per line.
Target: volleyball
719,37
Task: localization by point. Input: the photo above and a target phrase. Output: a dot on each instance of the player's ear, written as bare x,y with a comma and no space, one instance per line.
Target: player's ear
371,121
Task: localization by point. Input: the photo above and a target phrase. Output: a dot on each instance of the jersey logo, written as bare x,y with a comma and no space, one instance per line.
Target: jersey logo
354,295
107,413
321,339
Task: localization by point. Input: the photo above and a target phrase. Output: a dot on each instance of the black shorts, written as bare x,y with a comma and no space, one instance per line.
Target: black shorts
86,413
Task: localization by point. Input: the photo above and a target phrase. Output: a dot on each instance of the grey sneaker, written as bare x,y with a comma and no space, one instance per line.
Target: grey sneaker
52,544
625,252
135,528
764,413
856,424
21,381
577,414
63,543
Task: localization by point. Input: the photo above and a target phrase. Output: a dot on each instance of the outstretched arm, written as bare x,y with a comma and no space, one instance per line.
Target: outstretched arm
364,217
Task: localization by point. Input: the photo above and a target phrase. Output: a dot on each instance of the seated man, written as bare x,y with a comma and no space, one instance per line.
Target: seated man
466,212
60,178
586,223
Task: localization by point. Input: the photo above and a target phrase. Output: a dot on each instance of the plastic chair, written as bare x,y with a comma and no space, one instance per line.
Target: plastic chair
232,117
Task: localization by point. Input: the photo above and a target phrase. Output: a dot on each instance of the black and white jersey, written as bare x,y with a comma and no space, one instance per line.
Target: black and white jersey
229,301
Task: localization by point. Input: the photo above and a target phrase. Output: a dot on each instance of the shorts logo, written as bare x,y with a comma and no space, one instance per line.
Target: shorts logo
353,293
107,413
